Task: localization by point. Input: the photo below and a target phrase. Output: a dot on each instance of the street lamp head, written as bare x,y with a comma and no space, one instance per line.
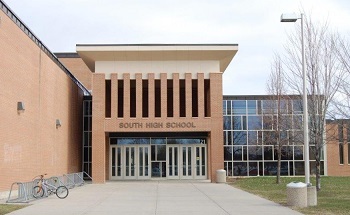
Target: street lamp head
289,17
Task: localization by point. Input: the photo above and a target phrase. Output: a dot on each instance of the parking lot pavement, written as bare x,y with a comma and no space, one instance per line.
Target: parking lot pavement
156,198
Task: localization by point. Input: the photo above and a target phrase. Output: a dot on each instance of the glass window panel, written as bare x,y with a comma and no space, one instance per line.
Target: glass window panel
158,141
225,138
297,106
297,122
268,153
244,123
245,153
298,137
127,141
348,151
269,138
228,168
270,168
228,153
229,137
253,168
237,122
254,122
229,107
239,138
153,153
284,168
267,122
239,169
186,141
252,137
255,152
251,107
237,153
224,107
227,123
299,168
268,106
341,153
161,152
312,153
287,153
239,107
298,152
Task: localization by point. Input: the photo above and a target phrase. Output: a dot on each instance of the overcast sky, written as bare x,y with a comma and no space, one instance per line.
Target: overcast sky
252,24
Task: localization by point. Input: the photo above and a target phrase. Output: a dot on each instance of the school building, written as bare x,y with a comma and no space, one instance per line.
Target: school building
132,112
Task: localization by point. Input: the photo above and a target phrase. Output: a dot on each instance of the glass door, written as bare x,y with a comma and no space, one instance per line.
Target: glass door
173,162
201,162
143,162
116,162
186,165
130,162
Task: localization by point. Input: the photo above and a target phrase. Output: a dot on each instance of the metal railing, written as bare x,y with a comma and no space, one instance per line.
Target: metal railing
25,189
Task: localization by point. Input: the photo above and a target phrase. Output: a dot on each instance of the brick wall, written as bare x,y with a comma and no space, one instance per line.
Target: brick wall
30,143
334,168
79,69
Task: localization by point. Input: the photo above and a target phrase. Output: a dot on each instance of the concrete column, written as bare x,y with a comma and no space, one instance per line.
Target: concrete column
151,95
139,105
188,87
200,78
126,77
114,95
176,97
98,134
163,93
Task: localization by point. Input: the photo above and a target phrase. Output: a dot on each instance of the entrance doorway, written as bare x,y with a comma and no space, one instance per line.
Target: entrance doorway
186,162
163,158
130,162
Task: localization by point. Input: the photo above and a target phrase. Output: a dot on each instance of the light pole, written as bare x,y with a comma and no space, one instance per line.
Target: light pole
293,18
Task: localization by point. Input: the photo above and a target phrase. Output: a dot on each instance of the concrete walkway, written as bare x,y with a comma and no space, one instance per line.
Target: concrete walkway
156,197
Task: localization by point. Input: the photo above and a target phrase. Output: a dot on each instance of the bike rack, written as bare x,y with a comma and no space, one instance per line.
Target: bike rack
24,192
25,189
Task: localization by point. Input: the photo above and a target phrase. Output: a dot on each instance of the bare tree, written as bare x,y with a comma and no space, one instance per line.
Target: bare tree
324,76
276,88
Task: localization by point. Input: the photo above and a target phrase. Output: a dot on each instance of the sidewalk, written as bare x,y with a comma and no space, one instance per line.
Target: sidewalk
156,198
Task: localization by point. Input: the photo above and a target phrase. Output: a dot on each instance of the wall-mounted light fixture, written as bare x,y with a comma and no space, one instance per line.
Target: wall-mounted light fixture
58,123
20,107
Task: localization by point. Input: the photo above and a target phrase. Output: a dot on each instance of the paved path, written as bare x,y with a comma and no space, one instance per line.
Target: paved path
156,198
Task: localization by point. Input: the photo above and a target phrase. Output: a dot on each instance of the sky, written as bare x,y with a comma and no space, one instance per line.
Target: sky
252,24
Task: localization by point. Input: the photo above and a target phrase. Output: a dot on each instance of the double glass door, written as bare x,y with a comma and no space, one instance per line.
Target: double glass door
186,162
180,162
130,162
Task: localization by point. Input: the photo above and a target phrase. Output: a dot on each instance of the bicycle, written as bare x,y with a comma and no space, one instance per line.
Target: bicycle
45,187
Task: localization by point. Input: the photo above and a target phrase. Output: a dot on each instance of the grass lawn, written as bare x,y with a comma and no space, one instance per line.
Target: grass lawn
7,208
333,198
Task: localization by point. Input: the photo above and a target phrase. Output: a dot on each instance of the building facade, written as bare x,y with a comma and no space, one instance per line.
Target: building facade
157,110
40,108
250,147
139,112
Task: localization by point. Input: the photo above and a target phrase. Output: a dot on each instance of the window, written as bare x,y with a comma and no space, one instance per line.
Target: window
348,153
239,107
341,153
252,107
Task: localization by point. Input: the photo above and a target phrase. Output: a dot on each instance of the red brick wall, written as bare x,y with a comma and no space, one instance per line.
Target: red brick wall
30,144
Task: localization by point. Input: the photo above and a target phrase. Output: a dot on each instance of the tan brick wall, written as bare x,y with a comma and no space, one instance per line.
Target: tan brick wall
98,131
334,167
79,69
212,125
30,144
